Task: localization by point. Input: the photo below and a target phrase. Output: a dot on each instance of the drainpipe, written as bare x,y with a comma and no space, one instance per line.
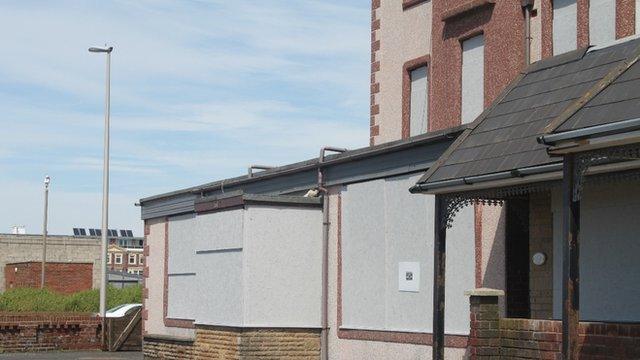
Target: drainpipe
324,336
527,5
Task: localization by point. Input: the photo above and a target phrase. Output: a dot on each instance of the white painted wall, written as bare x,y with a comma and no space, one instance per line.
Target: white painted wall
472,78
565,26
255,267
609,253
602,21
382,225
282,266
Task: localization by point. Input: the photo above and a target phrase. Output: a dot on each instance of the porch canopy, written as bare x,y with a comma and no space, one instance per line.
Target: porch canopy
570,118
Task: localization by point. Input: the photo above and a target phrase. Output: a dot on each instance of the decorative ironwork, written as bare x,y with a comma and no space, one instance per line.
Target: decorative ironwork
584,161
455,202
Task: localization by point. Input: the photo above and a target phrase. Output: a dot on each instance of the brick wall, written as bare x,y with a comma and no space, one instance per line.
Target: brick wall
64,278
51,331
494,337
541,240
27,248
213,342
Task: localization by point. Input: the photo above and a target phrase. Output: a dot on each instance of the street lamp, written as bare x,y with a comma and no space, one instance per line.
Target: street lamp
105,186
47,180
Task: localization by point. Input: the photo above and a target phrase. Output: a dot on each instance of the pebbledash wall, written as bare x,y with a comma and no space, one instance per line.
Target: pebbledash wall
60,249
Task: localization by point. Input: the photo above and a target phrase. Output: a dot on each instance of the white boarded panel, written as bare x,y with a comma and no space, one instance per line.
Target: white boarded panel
219,230
602,21
282,266
409,232
180,306
218,298
460,273
565,26
419,101
363,256
637,16
609,253
472,78
182,234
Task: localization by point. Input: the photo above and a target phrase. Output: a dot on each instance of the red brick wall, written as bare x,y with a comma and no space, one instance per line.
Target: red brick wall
40,332
492,336
65,278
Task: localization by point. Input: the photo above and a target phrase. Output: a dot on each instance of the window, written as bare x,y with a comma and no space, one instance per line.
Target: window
472,78
141,259
565,26
109,258
118,259
602,21
132,259
419,116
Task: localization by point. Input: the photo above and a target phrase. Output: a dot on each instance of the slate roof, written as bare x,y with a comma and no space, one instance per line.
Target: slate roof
555,94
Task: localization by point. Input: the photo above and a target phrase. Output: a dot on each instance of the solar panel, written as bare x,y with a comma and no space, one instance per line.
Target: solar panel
83,232
76,232
98,232
129,233
92,232
123,233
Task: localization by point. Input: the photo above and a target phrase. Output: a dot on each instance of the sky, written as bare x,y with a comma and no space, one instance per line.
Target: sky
199,90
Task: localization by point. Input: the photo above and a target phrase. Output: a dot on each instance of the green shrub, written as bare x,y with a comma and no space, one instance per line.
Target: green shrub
43,300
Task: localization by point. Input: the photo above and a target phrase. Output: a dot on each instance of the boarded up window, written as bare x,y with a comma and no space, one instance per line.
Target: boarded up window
472,78
419,101
602,21
565,26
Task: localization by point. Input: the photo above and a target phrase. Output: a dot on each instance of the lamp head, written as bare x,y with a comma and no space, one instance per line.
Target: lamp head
101,50
47,180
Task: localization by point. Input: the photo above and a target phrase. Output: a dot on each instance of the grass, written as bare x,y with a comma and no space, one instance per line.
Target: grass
43,300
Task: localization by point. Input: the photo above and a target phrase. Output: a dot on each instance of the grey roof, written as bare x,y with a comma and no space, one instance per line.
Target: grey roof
550,92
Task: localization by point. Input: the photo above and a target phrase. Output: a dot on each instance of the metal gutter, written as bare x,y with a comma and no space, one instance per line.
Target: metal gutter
472,180
310,164
589,132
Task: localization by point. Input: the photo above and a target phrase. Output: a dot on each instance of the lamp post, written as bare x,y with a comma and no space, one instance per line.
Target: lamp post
47,180
105,186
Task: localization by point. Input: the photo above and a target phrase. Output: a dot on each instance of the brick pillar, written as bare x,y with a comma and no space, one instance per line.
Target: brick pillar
484,338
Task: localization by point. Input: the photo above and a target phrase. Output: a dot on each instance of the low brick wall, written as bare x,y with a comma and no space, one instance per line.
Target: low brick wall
213,342
65,278
22,332
495,337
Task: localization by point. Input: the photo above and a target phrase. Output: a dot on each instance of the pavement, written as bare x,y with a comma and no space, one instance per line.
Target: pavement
74,355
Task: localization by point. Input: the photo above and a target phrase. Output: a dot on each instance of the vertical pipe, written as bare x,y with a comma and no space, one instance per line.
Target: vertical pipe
324,338
439,262
105,196
44,231
570,261
527,34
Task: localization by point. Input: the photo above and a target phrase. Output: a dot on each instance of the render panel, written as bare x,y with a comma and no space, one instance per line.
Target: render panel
363,256
282,266
218,231
609,253
183,290
383,227
181,241
218,299
602,22
565,26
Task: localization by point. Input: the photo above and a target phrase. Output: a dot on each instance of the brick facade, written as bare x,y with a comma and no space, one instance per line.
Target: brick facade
541,240
214,342
493,337
65,278
48,331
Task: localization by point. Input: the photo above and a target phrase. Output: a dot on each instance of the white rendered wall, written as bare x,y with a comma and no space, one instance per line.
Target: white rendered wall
282,266
382,225
609,253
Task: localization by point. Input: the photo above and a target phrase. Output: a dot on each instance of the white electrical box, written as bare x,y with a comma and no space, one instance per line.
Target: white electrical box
409,276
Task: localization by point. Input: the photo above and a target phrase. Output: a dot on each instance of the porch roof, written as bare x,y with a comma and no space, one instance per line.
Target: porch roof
576,90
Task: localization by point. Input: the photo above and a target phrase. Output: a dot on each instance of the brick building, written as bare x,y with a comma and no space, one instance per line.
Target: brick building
460,91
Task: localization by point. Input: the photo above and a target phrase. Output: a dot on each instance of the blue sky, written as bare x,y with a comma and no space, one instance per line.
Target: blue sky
200,89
